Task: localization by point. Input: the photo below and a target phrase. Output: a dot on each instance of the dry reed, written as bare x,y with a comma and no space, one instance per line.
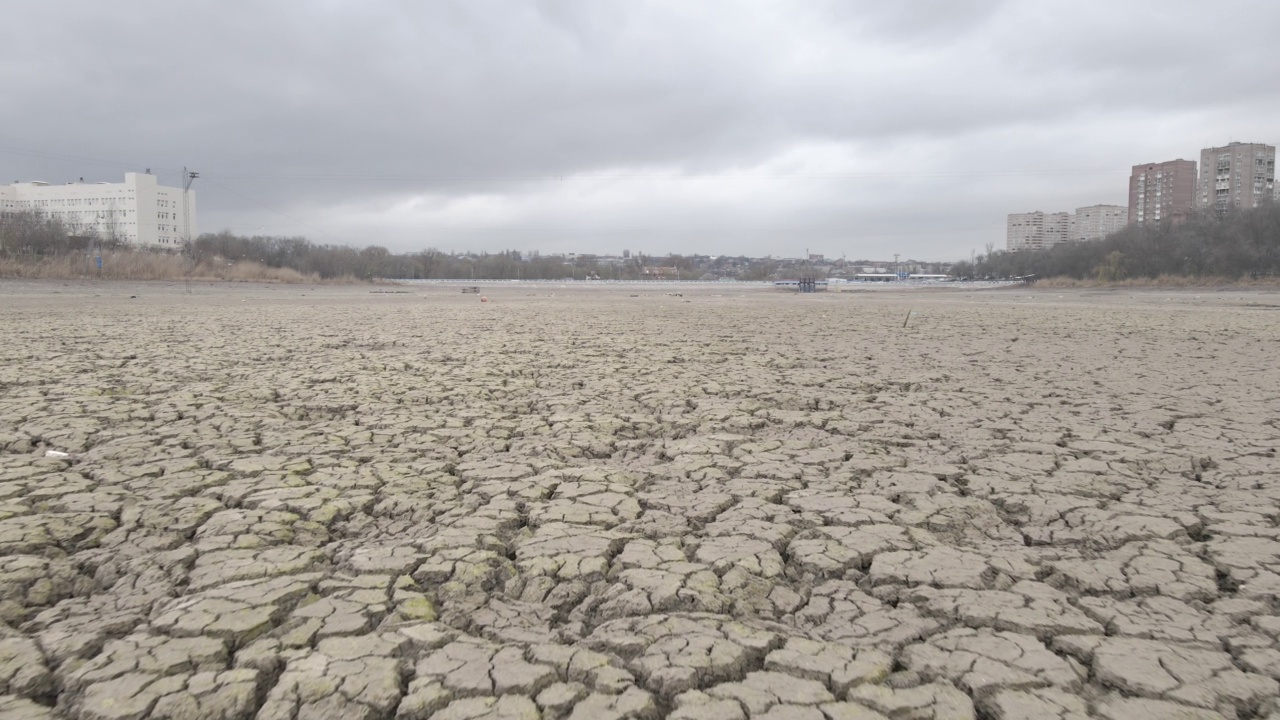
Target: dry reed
1161,281
150,266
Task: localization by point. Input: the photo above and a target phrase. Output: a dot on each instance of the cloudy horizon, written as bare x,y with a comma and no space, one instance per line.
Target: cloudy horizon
851,128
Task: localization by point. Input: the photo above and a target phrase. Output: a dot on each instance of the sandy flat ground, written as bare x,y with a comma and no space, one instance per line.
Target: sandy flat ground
296,502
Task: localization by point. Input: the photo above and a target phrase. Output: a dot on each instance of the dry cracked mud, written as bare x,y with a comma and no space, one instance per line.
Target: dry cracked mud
295,503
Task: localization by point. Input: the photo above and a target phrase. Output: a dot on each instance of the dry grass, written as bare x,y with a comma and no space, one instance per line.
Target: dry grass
150,266
1162,281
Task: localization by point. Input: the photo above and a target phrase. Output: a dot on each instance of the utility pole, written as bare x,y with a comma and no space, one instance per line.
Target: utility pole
896,272
188,177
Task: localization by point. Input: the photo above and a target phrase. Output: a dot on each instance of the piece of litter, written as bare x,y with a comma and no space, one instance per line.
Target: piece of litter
56,454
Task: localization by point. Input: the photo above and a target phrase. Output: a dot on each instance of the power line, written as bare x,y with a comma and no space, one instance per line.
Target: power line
561,176
78,159
295,221
942,174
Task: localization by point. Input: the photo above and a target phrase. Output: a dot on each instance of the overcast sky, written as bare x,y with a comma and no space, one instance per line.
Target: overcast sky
848,127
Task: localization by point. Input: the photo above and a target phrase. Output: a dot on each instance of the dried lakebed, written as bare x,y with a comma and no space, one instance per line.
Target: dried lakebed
303,503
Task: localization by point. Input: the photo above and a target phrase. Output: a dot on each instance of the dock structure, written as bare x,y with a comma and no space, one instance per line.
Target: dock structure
804,284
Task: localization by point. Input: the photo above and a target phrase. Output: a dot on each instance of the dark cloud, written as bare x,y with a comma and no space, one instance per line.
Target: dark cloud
862,127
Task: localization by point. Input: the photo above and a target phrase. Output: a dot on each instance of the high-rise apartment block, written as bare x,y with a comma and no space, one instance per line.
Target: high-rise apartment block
1097,221
1036,230
1162,192
138,211
1238,175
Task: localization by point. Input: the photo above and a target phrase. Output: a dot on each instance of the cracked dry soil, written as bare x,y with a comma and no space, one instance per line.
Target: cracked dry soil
295,503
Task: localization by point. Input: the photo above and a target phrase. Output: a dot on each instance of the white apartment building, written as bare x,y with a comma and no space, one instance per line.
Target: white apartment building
1036,230
1095,222
138,211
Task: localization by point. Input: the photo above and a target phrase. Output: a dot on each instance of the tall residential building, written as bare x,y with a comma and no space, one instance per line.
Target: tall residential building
1162,192
138,211
1036,230
1238,175
1097,221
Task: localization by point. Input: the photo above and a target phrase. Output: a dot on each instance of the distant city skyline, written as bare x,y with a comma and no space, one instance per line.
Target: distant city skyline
1238,175
856,128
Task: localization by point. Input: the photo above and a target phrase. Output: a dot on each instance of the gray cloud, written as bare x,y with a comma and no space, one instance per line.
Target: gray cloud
855,127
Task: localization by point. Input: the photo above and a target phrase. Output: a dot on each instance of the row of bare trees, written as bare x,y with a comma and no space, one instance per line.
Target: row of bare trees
33,233
374,261
1238,244
37,235
333,261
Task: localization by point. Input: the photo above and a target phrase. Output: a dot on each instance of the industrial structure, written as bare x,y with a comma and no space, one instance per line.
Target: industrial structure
138,211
